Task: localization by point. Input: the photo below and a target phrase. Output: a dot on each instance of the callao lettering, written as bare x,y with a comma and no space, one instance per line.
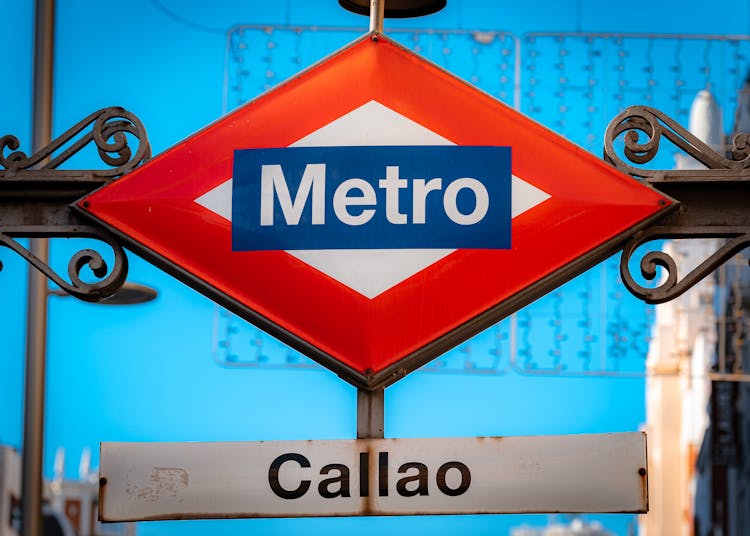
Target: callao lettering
411,479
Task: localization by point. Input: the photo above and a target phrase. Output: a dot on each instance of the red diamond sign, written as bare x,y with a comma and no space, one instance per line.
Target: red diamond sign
360,279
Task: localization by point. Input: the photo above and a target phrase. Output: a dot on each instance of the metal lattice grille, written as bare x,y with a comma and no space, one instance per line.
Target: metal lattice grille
576,83
259,57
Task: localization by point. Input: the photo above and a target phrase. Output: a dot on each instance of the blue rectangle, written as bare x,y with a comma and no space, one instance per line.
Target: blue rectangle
371,198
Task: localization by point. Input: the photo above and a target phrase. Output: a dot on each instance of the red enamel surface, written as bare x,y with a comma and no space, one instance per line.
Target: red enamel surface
591,203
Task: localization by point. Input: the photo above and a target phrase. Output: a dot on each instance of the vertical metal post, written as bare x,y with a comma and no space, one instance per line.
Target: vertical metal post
377,14
36,326
724,297
33,430
370,414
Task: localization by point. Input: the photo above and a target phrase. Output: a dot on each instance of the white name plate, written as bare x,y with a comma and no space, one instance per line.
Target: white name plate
542,474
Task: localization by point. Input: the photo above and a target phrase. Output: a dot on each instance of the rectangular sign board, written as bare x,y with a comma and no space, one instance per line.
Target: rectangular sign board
371,197
575,473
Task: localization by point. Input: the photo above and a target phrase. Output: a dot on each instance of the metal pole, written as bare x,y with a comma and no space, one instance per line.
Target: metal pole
377,14
36,326
370,414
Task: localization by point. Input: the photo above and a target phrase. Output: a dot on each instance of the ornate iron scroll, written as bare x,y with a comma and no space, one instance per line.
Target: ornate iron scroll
109,129
670,287
34,196
654,124
107,284
712,202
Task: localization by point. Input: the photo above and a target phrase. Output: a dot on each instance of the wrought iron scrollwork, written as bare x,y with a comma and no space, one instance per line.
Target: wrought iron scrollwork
671,287
711,202
110,130
108,281
35,196
654,124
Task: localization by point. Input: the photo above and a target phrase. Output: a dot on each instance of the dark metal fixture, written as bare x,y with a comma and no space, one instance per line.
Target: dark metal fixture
396,9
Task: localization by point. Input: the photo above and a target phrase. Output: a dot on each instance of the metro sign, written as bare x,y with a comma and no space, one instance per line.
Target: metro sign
374,211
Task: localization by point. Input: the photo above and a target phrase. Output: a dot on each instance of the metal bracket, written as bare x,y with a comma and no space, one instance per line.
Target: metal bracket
35,196
711,203
370,413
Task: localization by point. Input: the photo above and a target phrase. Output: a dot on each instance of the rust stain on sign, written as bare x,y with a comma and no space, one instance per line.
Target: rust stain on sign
163,482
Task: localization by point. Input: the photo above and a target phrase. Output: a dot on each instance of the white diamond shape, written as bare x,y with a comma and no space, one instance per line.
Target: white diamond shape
218,200
372,271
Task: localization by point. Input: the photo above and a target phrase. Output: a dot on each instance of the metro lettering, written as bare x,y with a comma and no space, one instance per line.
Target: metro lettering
313,186
419,199
272,181
392,184
342,200
371,197
337,482
481,201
